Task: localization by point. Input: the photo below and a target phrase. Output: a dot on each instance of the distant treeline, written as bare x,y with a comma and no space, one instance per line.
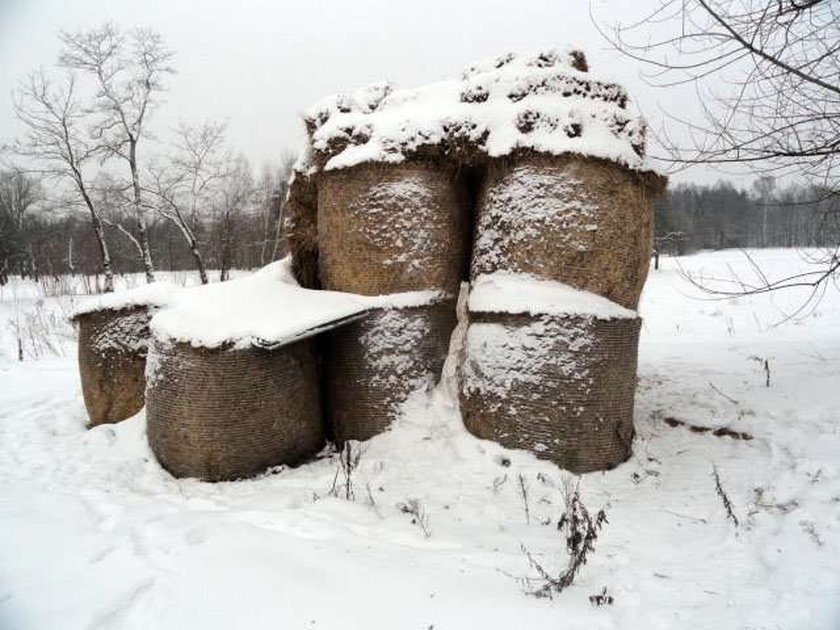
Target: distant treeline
68,246
692,217
44,237
41,238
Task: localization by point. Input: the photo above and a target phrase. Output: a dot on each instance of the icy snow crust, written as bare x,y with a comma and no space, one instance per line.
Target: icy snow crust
539,102
265,308
507,292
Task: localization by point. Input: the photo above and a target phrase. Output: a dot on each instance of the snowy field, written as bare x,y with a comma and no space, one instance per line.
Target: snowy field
94,534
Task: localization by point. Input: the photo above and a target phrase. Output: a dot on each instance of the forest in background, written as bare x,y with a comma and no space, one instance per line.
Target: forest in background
691,217
41,236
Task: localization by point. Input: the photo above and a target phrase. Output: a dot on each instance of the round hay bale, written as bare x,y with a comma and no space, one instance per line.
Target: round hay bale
112,360
302,229
372,365
389,228
560,386
223,414
582,221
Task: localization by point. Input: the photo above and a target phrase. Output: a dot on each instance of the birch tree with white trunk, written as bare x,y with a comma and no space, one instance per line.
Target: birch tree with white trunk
128,70
188,183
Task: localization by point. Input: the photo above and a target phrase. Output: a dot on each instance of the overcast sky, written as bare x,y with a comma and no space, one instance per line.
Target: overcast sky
258,64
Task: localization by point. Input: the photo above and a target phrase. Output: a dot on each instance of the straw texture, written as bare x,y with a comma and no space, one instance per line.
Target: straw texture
302,229
372,366
386,228
220,414
561,387
581,221
112,361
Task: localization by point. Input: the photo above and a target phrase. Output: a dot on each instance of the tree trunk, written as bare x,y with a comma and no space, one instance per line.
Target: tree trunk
142,233
199,261
96,222
103,250
279,233
33,264
71,267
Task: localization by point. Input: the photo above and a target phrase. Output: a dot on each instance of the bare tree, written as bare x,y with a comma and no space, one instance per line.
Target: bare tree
128,70
235,198
764,187
272,187
189,182
57,146
113,206
767,73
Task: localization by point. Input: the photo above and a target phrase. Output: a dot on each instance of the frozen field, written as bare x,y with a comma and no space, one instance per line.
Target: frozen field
94,534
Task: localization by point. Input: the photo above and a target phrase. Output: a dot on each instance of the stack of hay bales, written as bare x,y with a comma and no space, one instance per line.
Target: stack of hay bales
525,176
112,349
382,228
546,367
547,163
232,387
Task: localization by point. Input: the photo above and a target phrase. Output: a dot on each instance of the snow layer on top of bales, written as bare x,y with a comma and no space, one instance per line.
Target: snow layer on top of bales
506,292
265,308
156,294
545,101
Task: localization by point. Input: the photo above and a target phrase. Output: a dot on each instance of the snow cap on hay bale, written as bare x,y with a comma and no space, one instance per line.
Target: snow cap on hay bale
113,343
541,103
386,228
550,369
232,379
374,364
545,101
582,221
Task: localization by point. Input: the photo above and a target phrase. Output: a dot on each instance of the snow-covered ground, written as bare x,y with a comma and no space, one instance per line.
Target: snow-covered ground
94,534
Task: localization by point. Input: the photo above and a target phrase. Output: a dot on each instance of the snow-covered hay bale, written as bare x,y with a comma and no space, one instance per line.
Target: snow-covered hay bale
113,343
546,101
389,228
561,154
550,369
112,362
374,364
232,375
560,387
227,413
582,221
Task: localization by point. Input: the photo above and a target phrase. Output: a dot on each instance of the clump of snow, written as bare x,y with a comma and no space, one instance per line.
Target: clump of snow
155,294
279,271
266,308
507,292
540,101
